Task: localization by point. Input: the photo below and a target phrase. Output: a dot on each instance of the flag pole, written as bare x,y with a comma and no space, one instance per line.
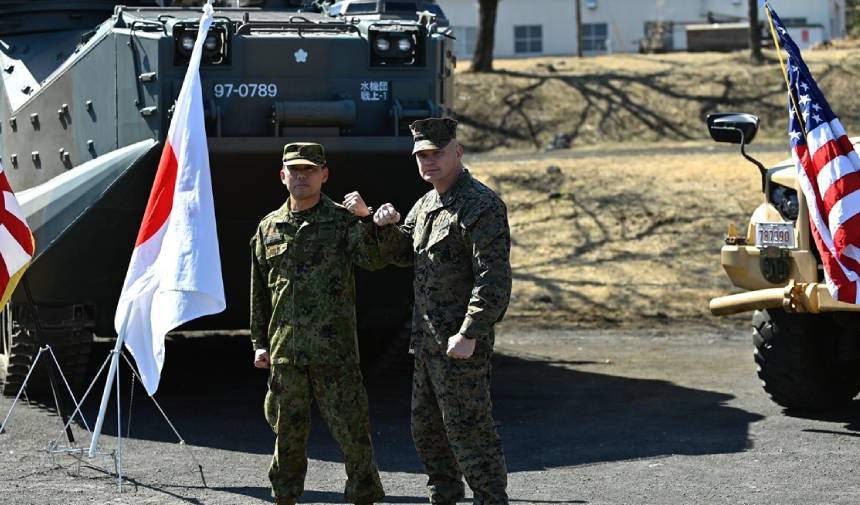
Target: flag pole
778,49
118,454
114,362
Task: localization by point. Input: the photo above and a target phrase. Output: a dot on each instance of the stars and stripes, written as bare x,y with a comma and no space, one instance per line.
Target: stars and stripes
829,173
16,241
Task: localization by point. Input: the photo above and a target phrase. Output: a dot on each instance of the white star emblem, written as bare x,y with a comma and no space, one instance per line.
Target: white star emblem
804,99
301,56
816,117
804,86
795,135
805,115
782,30
816,107
793,69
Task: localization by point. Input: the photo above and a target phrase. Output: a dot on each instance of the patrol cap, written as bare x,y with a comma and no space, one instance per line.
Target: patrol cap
304,153
433,133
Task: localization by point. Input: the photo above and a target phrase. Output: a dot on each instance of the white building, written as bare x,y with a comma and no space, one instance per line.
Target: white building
548,27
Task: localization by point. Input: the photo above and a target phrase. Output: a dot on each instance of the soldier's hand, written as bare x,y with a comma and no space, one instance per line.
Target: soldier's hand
460,347
385,215
355,204
261,358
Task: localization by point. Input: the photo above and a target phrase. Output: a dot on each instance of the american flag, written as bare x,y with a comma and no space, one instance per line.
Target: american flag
829,172
16,241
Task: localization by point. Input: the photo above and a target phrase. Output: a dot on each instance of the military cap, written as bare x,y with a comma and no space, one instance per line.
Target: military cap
433,133
304,153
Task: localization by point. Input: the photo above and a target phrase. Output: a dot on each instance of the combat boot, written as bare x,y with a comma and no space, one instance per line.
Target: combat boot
285,500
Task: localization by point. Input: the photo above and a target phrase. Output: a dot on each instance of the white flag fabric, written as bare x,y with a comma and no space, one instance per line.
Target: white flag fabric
175,271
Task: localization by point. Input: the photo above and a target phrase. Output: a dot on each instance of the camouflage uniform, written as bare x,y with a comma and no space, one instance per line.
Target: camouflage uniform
459,243
303,313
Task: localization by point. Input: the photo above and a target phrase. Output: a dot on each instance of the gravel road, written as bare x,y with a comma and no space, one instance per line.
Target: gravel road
665,416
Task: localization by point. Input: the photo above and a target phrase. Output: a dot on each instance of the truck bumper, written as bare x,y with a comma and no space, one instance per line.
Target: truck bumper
811,298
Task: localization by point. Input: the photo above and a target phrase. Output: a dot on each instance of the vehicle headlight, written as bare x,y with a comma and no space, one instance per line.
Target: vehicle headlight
382,45
211,43
786,202
394,46
186,43
216,49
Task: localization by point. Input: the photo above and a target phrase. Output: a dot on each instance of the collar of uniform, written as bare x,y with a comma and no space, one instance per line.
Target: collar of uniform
462,181
321,212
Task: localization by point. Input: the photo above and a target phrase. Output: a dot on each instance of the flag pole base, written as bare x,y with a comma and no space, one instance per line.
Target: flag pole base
22,392
55,448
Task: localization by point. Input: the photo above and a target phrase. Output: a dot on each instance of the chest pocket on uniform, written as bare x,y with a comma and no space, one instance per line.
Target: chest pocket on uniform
318,241
325,233
440,230
277,248
437,236
276,240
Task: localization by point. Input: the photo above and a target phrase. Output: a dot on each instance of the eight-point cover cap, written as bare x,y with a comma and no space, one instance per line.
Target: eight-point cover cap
433,133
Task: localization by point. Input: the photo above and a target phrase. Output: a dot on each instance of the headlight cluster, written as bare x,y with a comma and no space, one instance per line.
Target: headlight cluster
215,46
394,48
785,201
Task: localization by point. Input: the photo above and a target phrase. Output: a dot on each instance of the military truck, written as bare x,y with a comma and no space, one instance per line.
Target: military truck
87,96
807,345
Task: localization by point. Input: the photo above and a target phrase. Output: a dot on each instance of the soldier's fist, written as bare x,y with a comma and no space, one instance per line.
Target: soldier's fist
460,347
355,204
261,358
385,215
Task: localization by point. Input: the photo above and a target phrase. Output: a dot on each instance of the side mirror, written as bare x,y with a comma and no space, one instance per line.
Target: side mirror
733,127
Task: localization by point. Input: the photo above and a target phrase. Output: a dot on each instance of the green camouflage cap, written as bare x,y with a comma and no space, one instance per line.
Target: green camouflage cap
304,153
433,133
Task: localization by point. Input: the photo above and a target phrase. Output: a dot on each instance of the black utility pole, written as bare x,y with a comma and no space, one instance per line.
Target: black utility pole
755,33
579,28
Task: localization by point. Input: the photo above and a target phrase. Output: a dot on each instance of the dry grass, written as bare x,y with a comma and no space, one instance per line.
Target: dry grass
621,239
627,230
527,103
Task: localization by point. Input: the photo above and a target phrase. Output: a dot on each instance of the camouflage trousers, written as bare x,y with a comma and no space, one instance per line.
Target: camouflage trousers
342,401
454,431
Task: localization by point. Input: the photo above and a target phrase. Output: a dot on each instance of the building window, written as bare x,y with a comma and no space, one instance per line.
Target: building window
467,38
658,37
528,39
594,37
795,21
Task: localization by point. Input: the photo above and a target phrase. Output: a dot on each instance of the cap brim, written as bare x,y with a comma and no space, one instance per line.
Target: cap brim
425,145
301,161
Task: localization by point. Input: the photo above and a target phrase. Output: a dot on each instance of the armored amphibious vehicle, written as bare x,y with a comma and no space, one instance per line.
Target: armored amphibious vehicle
87,95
